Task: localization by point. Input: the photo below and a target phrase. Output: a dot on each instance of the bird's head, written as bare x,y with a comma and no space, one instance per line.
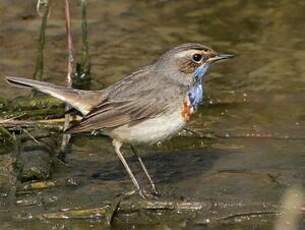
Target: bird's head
186,61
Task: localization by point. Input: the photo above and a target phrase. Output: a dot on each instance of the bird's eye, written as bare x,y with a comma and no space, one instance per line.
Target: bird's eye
197,57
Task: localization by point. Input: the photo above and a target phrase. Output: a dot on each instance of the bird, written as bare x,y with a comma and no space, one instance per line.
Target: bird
147,106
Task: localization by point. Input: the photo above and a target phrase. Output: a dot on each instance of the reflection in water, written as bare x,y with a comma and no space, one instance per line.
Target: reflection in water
261,91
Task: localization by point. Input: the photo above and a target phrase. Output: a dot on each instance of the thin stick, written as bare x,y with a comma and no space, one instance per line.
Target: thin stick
70,47
85,49
66,137
11,123
31,136
244,135
39,66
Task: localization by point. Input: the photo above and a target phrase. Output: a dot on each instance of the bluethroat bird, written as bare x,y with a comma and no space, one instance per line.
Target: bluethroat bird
147,106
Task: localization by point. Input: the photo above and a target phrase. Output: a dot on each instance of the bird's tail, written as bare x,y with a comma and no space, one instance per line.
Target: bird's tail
81,100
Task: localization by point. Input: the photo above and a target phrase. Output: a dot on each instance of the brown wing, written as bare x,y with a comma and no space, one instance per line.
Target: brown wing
138,97
109,115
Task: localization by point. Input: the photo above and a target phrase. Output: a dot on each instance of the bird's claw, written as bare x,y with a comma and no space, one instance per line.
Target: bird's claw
155,195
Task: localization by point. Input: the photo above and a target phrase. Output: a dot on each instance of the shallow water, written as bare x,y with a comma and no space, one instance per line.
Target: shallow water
254,105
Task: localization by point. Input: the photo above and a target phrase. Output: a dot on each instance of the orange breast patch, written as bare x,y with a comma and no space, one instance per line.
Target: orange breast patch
187,110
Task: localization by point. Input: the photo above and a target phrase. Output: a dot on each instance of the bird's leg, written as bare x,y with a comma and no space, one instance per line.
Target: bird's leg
117,145
154,188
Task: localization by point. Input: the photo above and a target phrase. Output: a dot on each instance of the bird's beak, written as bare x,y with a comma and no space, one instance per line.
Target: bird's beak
219,57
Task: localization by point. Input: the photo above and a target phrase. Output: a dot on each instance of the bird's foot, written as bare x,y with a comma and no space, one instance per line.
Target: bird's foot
124,195
155,195
156,192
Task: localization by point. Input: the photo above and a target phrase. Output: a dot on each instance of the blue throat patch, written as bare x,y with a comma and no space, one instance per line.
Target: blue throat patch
196,92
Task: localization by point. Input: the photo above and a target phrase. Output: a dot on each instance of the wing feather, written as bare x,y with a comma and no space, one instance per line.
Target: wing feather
130,101
112,115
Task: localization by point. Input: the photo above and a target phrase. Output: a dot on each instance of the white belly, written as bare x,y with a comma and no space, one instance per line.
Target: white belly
150,131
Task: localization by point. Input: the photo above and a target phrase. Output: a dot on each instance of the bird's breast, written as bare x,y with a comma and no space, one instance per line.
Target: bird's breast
187,109
151,130
192,100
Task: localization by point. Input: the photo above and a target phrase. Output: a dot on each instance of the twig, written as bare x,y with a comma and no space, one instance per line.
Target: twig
69,41
5,131
126,207
238,217
260,136
95,213
85,49
81,77
250,135
39,67
66,137
39,4
40,185
31,136
248,214
11,123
